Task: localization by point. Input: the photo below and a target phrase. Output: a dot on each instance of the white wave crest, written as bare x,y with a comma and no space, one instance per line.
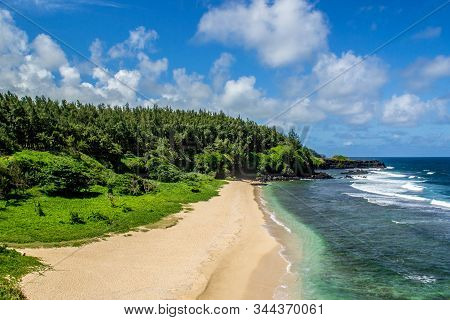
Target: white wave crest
412,187
411,177
440,203
379,190
389,174
430,172
389,168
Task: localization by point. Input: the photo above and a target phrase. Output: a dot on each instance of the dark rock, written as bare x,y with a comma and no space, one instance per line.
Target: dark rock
353,172
351,164
278,177
321,175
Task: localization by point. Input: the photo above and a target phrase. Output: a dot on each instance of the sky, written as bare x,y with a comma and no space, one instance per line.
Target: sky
360,78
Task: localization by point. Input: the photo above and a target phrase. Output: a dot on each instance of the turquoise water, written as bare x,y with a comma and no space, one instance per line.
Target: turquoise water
380,235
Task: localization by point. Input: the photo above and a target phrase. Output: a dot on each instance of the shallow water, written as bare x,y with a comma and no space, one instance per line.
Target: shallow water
381,235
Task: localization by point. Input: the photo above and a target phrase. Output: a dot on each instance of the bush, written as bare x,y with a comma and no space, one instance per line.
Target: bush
5,184
129,184
98,217
67,176
11,179
168,173
161,170
75,218
38,209
134,164
339,157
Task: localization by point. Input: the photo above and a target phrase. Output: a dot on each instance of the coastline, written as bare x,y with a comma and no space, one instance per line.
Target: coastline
223,248
291,247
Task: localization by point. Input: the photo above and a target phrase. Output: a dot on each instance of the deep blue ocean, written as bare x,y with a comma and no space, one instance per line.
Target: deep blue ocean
384,234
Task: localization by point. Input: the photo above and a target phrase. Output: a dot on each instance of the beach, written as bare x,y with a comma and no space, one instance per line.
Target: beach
216,249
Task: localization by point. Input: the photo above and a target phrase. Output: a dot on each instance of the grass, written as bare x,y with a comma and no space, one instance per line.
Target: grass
36,218
69,221
13,265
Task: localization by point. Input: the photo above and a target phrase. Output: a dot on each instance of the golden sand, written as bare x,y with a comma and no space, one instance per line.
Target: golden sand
219,250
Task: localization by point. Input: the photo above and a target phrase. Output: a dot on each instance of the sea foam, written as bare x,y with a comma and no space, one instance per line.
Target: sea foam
412,187
440,203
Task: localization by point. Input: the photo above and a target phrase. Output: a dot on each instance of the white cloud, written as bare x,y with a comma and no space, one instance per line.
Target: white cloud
428,33
353,94
138,40
220,70
70,76
404,110
282,31
241,97
13,41
96,50
152,69
47,53
424,72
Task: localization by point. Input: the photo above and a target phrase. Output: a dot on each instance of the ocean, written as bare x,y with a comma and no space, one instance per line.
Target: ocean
384,234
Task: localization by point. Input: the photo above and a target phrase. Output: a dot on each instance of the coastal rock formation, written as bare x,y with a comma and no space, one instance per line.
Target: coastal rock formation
350,164
275,177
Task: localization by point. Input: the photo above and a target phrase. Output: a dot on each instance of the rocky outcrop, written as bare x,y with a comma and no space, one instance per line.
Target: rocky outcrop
350,164
278,177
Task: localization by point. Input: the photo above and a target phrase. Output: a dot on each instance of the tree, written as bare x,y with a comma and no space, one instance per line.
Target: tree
67,176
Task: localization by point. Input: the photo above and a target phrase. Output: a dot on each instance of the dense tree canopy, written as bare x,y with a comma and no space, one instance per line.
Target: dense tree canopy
156,141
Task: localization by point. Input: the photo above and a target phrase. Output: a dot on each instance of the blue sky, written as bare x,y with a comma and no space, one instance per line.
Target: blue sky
251,58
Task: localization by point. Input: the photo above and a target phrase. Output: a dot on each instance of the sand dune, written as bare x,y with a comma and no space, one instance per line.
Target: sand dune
220,250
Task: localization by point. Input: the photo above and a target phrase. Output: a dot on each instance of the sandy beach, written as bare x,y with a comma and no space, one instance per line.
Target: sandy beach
221,249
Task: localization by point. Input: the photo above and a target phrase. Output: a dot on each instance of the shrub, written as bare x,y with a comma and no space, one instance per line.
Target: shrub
126,209
98,217
340,157
134,164
129,184
75,218
11,179
161,170
67,176
38,209
168,173
5,184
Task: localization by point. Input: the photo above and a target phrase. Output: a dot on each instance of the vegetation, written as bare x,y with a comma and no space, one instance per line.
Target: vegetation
157,142
339,157
13,266
113,202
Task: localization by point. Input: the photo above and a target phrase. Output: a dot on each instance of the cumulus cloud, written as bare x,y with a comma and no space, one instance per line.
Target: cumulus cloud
47,53
240,96
355,93
281,32
40,67
96,50
424,72
152,68
405,109
220,70
138,40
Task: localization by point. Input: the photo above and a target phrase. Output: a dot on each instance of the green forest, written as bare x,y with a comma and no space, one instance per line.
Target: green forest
151,141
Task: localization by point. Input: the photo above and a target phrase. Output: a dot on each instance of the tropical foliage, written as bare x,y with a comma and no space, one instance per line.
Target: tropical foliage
159,143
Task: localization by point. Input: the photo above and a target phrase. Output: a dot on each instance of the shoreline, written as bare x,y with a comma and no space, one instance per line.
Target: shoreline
290,250
222,248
